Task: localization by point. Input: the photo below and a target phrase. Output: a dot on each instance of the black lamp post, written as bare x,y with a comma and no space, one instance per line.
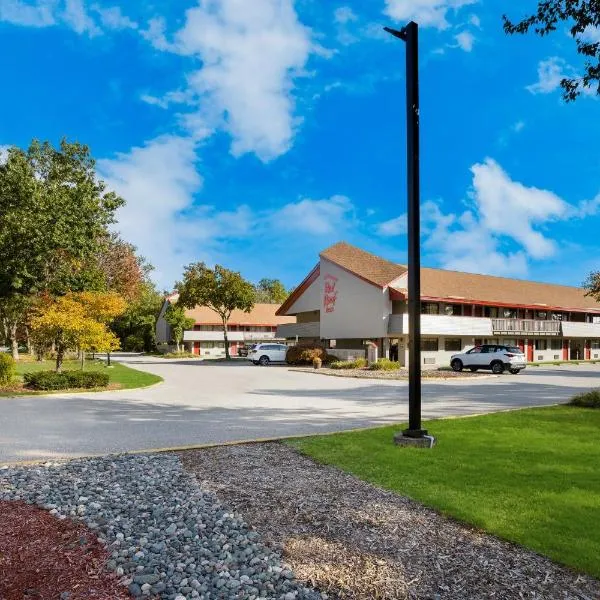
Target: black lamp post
410,35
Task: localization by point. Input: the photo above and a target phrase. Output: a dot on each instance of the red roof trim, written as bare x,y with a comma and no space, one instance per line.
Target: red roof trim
304,285
508,305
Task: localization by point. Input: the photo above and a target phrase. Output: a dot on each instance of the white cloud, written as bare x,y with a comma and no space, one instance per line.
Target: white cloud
314,217
70,13
591,34
465,40
18,12
427,13
551,72
249,56
393,227
76,16
503,214
518,126
113,18
158,180
344,14
507,207
475,21
461,243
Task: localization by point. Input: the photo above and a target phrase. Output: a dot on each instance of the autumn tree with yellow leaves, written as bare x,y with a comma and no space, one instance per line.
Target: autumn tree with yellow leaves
77,321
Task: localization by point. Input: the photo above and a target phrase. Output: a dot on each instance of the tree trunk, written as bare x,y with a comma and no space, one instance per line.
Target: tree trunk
226,340
30,347
59,358
82,359
14,344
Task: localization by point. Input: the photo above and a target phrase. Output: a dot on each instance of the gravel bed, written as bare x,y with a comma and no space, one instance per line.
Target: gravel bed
356,541
166,536
397,374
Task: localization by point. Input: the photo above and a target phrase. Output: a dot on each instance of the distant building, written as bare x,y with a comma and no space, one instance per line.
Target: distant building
206,337
352,296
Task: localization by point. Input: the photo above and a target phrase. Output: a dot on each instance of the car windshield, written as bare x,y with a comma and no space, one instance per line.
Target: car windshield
514,349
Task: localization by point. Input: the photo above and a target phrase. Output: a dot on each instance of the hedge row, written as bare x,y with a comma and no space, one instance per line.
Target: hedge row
50,380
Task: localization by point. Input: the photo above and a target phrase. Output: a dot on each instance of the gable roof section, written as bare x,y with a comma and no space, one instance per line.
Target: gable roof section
367,266
261,314
304,285
462,287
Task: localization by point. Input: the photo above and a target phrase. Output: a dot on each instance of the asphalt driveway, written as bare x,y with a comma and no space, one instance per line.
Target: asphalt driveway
204,402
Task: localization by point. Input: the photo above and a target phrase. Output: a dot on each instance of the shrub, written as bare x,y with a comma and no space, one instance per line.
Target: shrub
50,380
359,363
589,399
180,355
384,364
305,354
7,368
133,343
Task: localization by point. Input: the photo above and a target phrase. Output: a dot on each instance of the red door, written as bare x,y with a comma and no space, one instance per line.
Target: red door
196,349
588,349
565,350
521,344
530,350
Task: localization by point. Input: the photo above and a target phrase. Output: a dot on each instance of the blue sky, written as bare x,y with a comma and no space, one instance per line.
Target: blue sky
255,134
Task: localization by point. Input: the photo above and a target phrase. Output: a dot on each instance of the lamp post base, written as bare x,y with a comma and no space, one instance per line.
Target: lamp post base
414,438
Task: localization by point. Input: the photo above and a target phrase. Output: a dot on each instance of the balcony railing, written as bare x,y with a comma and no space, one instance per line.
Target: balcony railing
525,327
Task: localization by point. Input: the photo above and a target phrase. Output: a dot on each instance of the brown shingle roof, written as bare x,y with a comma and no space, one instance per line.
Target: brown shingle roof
438,283
261,314
459,286
364,264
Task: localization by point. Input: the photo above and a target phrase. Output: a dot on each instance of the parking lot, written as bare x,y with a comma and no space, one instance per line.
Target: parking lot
203,402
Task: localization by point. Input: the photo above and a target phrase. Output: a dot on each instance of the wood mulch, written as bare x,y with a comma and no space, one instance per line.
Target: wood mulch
44,558
355,541
401,374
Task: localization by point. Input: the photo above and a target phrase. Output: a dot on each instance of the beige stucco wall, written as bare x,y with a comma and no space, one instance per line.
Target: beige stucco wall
361,309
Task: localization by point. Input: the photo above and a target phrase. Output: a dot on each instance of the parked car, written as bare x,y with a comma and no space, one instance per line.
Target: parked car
263,354
490,356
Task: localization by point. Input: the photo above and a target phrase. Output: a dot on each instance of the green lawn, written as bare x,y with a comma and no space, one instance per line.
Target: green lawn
530,476
120,376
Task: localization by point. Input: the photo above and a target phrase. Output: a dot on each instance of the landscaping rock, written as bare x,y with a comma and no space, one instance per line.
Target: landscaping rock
166,536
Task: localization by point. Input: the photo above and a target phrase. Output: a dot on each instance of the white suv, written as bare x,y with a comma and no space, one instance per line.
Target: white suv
263,354
490,356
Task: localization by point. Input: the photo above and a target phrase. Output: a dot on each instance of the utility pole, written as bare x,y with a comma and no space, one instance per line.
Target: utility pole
410,35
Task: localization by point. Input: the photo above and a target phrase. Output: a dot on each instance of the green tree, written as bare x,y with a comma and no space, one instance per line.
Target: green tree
219,289
136,327
55,214
592,285
271,291
583,19
175,317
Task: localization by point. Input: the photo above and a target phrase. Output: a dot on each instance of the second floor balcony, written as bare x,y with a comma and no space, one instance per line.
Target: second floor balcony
525,327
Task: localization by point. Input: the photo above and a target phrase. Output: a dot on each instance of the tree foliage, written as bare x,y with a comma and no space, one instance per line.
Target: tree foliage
55,212
76,321
219,289
583,19
592,285
136,327
270,291
176,318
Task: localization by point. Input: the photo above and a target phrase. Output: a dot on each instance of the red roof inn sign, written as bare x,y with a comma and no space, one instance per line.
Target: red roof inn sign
329,293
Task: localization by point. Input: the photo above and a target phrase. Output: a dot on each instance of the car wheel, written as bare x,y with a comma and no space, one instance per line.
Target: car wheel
514,371
456,365
472,369
497,368
264,361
